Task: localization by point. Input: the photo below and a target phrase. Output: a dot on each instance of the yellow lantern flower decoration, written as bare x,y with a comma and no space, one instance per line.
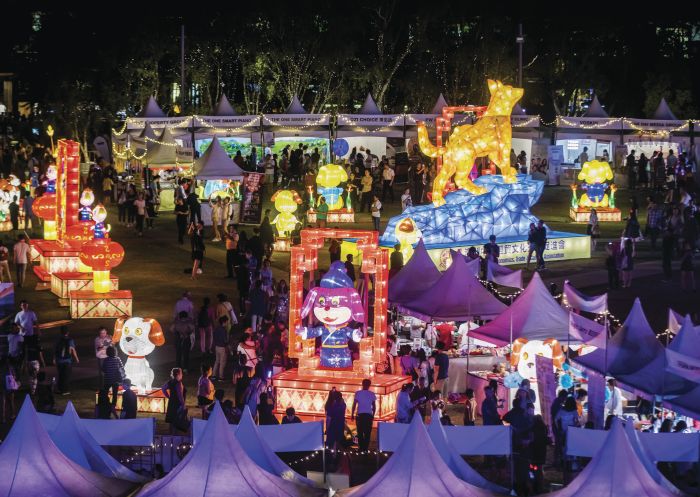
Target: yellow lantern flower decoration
595,174
328,178
286,202
489,137
407,233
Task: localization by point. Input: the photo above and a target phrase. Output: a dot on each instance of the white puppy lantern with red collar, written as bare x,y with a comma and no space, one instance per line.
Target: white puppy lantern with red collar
137,338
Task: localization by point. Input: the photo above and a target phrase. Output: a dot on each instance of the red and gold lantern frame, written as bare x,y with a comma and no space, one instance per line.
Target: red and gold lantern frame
304,258
102,255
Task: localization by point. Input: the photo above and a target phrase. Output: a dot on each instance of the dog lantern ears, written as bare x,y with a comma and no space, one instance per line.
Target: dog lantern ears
155,335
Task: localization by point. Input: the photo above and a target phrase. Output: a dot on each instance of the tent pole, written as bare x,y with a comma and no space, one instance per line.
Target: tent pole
323,453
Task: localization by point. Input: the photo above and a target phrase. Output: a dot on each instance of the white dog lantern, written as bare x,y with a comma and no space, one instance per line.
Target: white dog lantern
137,338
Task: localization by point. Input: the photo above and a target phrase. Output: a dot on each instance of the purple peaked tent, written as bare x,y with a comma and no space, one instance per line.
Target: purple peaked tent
636,358
415,470
615,471
414,278
456,296
534,315
454,460
31,464
218,465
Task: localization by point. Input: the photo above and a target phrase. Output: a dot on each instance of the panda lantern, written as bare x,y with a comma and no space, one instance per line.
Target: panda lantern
335,304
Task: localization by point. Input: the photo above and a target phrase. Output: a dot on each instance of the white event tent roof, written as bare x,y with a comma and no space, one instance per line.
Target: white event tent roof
216,164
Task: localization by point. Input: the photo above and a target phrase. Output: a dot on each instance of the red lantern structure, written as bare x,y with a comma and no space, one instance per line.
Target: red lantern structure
102,256
45,208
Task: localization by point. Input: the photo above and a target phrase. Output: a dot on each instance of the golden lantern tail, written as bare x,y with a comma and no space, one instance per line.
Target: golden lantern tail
425,145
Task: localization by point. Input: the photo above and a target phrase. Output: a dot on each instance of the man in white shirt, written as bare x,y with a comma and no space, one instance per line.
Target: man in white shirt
376,212
365,403
21,255
388,182
184,304
614,404
26,319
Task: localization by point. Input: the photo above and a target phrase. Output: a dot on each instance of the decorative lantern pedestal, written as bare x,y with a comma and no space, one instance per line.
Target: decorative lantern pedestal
92,305
605,214
339,216
54,257
154,402
62,284
308,394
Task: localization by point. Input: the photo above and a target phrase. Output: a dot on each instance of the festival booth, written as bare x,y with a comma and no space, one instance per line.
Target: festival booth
167,158
346,318
607,474
297,126
217,464
32,464
664,131
527,137
636,358
418,275
451,443
683,359
416,469
222,179
370,130
596,131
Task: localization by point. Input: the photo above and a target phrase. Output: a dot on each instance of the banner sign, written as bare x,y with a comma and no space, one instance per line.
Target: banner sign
296,120
684,366
596,304
596,399
555,157
546,386
158,122
251,123
584,330
635,124
251,206
588,123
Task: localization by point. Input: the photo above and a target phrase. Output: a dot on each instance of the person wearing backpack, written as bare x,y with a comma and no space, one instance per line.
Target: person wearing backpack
65,355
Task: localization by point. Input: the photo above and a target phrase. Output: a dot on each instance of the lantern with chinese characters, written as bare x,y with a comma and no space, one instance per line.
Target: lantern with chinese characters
286,202
45,208
87,198
328,178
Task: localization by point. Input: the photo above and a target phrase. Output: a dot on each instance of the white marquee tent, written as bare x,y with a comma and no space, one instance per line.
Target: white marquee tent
215,164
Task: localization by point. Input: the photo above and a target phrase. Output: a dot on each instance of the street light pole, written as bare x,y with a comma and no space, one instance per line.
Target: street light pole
520,40
182,68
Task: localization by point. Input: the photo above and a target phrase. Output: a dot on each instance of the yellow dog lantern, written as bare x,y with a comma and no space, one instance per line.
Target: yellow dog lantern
595,174
490,137
286,202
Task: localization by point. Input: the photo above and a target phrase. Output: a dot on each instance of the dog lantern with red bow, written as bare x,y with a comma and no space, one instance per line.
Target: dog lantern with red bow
137,338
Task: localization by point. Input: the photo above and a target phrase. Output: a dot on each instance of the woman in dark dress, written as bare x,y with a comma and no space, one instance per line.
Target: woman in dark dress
175,392
198,248
335,419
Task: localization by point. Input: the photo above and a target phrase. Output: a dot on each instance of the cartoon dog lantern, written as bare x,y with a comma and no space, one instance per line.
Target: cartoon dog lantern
335,304
595,174
137,338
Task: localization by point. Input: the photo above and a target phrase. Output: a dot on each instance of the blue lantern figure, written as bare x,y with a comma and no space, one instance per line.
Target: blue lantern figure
87,198
335,304
101,230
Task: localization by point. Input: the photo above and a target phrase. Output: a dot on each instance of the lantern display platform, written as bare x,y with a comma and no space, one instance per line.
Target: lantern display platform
153,402
339,216
54,257
64,283
307,394
282,245
92,305
605,214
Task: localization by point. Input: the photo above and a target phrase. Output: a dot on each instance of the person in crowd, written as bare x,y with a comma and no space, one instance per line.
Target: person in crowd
65,356
376,212
232,251
583,156
366,191
5,275
654,222
205,389
14,213
112,374
256,387
632,227
184,303
388,176
321,212
176,393
350,267
395,260
290,417
195,207
531,239
140,207
247,350
183,328
643,171
631,167
334,250
102,343
489,407
420,396
627,262
687,269
220,338
182,212
224,308
491,250
540,441
266,414
365,404
540,244
613,406
404,404
196,232
217,215
611,264
44,400
441,368
27,209
335,408
469,408
21,252
259,302
267,235
206,318
521,435
129,400
593,228
667,246
406,200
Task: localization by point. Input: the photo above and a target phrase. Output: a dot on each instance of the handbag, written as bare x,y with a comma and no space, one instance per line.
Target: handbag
182,420
11,383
